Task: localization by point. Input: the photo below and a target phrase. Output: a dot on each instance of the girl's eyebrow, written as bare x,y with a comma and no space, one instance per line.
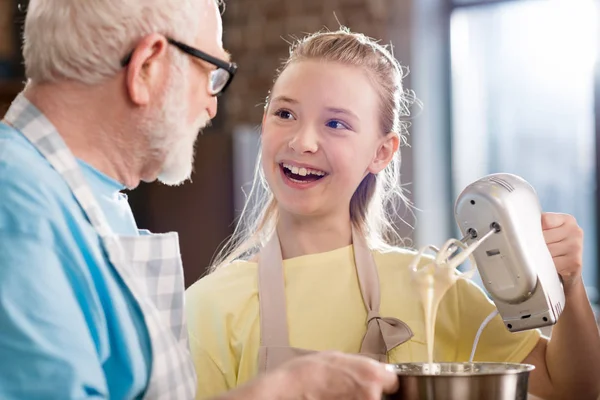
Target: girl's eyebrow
285,99
339,110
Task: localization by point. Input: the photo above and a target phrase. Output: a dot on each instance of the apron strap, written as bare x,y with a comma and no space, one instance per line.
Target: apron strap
383,334
271,295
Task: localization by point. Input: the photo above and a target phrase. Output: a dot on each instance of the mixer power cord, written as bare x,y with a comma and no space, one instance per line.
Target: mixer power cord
481,328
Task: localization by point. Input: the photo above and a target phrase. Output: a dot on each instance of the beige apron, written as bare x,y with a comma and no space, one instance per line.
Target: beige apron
382,334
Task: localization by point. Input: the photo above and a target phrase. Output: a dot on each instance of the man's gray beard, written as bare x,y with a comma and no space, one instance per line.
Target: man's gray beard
171,139
179,160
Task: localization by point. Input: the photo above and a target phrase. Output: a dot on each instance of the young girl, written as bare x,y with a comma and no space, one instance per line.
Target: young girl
314,267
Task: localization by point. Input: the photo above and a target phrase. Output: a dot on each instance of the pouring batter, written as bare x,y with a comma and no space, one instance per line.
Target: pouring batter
296,277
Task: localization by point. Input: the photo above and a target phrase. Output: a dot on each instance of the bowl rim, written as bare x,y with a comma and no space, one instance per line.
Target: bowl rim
517,368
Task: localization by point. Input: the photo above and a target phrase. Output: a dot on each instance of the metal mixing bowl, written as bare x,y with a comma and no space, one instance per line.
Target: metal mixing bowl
461,381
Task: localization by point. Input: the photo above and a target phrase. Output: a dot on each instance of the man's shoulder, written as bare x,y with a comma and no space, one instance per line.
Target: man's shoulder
18,156
31,188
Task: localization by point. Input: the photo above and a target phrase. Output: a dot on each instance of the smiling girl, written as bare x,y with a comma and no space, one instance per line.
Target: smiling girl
313,264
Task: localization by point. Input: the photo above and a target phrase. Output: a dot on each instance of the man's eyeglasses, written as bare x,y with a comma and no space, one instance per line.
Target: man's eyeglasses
219,79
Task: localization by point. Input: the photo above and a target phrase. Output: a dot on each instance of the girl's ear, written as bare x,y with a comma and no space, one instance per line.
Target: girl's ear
385,152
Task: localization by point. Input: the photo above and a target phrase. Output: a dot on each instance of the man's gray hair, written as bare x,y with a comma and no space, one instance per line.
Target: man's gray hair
85,40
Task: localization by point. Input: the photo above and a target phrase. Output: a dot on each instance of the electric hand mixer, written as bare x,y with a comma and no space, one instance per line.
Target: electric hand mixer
501,219
500,215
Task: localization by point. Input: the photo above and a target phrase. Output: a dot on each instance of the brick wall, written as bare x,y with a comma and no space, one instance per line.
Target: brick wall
254,32
7,41
11,68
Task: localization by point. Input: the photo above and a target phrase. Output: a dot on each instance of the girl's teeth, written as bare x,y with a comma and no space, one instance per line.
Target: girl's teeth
303,171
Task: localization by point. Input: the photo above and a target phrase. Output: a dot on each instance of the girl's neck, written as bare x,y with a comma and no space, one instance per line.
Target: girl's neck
299,235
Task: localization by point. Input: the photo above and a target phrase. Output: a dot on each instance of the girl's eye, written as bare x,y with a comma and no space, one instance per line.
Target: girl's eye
284,114
336,124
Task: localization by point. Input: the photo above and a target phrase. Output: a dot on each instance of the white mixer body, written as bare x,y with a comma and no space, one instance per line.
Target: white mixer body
514,263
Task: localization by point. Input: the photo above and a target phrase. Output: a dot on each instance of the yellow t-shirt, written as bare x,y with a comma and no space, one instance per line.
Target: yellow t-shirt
326,312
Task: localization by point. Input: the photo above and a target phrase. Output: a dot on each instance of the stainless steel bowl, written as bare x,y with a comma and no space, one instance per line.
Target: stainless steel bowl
461,381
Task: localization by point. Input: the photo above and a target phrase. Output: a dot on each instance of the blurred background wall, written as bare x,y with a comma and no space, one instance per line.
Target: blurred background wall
507,86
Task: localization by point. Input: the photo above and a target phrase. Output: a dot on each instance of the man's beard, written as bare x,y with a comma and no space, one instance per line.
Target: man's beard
171,138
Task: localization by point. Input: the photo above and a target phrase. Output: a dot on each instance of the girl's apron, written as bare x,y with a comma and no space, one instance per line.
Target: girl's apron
382,334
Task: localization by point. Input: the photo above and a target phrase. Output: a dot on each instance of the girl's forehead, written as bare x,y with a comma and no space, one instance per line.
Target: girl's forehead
320,70
326,84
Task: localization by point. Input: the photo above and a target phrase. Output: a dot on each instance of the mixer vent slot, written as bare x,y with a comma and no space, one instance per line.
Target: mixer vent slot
493,252
502,183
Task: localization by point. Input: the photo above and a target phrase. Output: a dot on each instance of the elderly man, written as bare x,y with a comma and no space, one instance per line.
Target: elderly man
90,307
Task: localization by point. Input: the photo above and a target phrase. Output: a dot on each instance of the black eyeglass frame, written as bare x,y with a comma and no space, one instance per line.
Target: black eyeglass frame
230,67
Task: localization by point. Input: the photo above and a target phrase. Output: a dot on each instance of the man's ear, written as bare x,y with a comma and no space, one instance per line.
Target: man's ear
147,68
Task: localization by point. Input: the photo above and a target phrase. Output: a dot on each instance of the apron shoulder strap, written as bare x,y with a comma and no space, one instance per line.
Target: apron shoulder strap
383,334
271,296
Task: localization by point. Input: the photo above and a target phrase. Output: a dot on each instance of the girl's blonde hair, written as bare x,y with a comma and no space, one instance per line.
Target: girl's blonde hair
375,204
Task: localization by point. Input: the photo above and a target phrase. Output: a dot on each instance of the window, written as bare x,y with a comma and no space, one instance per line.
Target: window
522,79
